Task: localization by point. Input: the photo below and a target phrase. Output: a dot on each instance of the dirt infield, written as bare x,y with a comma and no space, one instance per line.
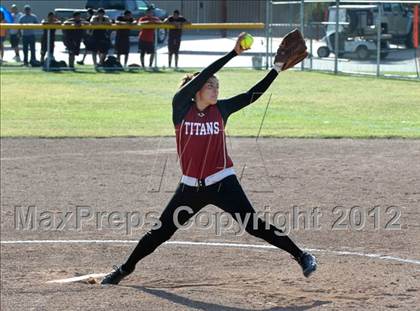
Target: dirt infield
356,203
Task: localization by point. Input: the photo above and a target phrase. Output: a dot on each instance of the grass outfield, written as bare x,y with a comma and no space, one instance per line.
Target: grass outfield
303,104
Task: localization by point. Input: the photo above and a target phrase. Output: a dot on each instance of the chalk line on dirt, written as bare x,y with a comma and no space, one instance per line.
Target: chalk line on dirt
219,244
78,278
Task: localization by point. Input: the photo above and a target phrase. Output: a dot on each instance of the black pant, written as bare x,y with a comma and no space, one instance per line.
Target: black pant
226,194
28,41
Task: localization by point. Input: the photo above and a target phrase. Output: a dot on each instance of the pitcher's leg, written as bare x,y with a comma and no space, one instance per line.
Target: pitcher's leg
233,200
174,214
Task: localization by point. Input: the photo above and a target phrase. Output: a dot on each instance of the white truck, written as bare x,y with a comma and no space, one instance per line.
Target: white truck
397,21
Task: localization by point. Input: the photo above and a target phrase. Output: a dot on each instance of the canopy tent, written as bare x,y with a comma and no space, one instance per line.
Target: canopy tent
7,16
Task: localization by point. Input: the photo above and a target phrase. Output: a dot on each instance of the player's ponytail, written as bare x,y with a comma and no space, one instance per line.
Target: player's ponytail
188,77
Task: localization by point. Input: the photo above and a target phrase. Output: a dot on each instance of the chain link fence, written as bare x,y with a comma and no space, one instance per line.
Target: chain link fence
373,38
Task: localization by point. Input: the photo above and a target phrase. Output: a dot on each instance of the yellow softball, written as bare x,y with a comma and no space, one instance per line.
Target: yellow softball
247,41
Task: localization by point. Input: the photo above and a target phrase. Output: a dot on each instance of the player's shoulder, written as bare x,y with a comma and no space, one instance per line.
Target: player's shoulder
219,105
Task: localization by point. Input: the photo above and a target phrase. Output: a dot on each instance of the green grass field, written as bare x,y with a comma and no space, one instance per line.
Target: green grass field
303,104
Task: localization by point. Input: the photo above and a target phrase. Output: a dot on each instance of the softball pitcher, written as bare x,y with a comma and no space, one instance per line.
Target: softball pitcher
199,119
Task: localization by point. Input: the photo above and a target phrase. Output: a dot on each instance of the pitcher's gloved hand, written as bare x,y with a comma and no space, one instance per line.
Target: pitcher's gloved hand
291,51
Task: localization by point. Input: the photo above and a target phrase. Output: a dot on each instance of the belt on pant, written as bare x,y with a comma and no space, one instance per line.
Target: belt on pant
209,180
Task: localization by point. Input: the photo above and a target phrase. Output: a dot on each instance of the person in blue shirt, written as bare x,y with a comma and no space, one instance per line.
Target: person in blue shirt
28,35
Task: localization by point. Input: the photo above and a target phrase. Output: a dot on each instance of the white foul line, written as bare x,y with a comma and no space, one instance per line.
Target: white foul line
218,244
78,278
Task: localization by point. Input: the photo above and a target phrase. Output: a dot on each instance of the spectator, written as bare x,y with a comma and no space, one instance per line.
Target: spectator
122,39
28,35
2,36
15,34
100,37
73,38
87,37
147,37
174,37
51,20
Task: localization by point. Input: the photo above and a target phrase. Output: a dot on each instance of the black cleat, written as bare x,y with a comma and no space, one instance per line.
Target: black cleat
308,263
115,276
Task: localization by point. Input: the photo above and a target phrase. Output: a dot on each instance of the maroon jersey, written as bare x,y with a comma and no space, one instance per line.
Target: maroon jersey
201,142
200,135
